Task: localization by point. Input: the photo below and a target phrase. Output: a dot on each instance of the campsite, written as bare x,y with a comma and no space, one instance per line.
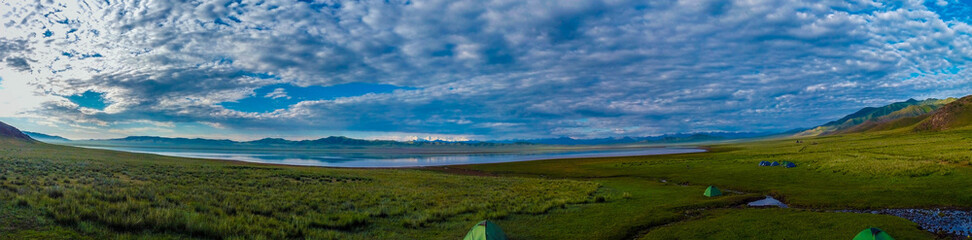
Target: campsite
48,191
485,119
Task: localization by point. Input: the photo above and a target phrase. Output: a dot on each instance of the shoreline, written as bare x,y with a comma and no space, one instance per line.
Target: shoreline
430,160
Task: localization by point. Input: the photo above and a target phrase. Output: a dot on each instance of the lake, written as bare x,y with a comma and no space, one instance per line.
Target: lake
361,160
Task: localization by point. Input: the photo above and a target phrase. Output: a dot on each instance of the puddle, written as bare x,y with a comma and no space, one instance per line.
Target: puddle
954,222
767,202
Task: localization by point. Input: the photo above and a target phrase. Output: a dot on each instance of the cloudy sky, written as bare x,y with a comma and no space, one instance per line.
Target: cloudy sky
468,69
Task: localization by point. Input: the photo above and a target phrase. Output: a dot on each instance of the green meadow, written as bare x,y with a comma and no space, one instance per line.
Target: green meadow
56,192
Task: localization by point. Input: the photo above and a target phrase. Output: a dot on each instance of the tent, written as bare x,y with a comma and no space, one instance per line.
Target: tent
764,163
485,230
775,164
789,164
712,192
873,234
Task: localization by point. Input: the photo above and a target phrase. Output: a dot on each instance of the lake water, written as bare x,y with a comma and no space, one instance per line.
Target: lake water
325,159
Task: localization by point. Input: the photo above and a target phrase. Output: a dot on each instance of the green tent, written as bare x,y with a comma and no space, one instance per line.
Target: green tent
873,234
712,192
485,230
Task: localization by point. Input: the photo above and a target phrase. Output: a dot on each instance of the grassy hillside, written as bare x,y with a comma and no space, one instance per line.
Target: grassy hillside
957,114
876,126
55,192
11,133
954,114
874,118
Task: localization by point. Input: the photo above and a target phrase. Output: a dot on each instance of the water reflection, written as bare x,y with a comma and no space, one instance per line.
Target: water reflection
330,159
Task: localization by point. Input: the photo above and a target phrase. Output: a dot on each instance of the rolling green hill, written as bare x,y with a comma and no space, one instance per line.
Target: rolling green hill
895,115
11,134
954,115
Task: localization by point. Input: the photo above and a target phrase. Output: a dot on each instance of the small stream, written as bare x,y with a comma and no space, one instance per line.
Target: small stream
957,223
953,222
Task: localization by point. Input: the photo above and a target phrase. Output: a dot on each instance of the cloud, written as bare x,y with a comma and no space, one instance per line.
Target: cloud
277,93
492,69
18,63
13,52
214,125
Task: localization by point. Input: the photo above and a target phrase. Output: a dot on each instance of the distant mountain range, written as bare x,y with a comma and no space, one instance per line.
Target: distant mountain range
667,138
345,141
914,115
911,115
271,142
45,138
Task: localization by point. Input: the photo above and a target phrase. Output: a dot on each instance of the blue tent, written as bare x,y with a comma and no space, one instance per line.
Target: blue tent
764,163
789,165
774,164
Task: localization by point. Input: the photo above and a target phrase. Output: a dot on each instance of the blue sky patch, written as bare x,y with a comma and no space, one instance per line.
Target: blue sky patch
90,99
953,10
219,21
952,70
81,56
280,96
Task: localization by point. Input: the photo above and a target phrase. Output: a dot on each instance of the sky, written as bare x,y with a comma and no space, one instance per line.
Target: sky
468,69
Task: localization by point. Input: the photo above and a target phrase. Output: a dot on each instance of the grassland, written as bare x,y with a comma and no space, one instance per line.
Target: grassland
54,192
899,169
781,224
66,193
